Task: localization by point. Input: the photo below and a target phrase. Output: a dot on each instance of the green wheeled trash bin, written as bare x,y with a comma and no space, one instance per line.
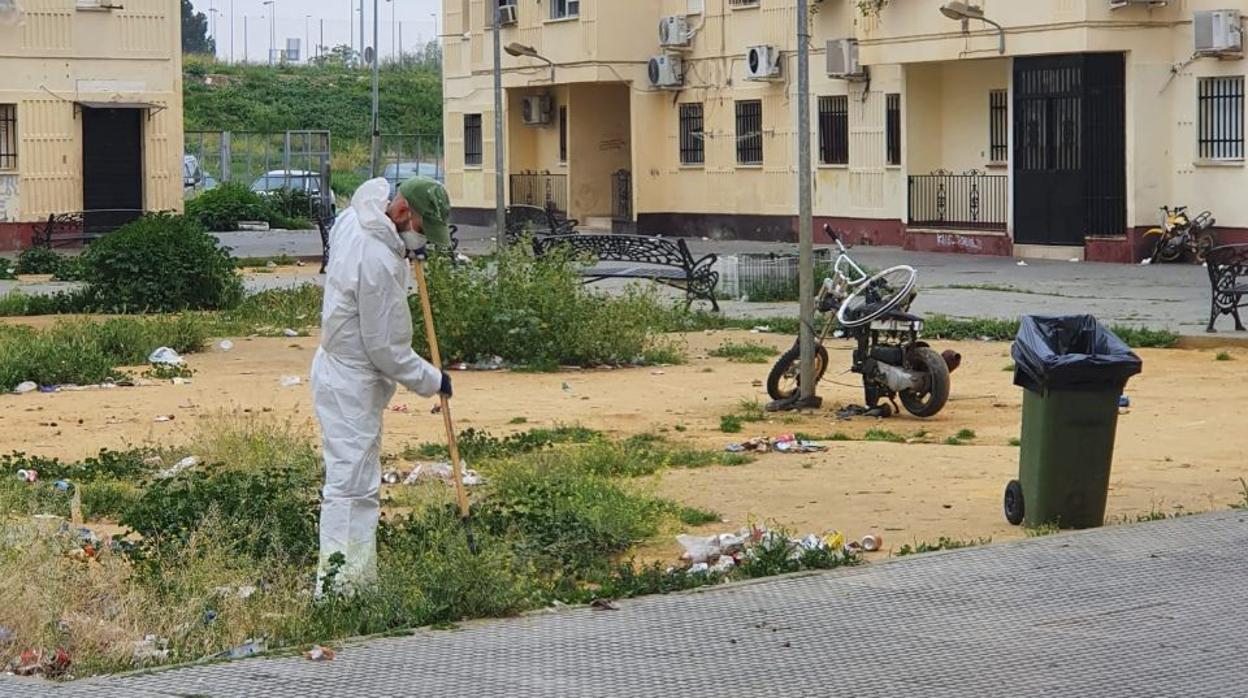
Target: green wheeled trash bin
1073,371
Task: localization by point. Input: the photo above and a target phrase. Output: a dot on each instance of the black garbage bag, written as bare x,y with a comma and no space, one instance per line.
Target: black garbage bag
1073,352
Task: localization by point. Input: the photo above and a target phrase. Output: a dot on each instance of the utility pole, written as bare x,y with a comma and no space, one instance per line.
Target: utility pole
231,31
400,42
376,150
246,55
307,39
394,45
500,206
805,226
351,31
271,4
320,44
362,29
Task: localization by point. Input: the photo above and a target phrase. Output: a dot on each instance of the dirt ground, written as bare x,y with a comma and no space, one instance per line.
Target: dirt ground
1178,448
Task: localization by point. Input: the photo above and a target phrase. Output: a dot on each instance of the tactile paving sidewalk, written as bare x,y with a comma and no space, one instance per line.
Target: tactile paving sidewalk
1158,609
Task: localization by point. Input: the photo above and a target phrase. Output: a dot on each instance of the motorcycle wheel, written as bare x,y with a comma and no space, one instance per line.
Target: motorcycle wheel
932,400
1168,249
1203,244
784,382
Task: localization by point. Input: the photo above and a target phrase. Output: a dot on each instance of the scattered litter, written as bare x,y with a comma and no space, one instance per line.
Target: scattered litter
603,605
850,411
461,366
656,373
399,408
289,381
290,333
493,363
319,654
444,472
1073,259
209,616
150,648
758,444
760,328
179,380
872,542
49,388
391,477
700,549
258,226
36,662
153,461
247,649
163,418
26,387
1022,263
176,468
6,635
225,345
1146,261
1124,401
165,356
270,264
61,485
28,475
789,443
697,567
243,592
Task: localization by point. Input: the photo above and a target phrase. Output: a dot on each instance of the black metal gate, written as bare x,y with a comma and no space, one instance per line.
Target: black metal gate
112,167
1069,148
622,196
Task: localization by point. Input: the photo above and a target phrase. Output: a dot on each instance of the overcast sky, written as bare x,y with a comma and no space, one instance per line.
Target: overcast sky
293,17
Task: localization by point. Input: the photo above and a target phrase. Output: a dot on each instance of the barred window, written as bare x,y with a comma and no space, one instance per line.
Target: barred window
998,126
560,9
691,146
750,132
8,136
834,130
472,139
893,127
1222,118
563,133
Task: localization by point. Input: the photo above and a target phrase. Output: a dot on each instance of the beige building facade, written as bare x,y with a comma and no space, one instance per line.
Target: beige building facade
1060,135
90,111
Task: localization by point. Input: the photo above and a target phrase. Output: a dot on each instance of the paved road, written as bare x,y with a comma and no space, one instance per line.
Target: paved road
1174,297
1133,611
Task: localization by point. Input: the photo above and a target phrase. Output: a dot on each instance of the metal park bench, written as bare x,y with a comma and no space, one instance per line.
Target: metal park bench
81,227
1228,267
536,221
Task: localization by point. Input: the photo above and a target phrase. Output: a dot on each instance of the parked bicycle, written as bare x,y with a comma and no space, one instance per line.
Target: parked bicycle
1181,236
893,361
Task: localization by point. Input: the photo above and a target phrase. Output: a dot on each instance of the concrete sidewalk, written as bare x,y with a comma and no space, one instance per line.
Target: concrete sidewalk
1172,297
1144,610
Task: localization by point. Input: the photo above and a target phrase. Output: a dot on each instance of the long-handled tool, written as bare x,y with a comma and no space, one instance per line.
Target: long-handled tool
435,357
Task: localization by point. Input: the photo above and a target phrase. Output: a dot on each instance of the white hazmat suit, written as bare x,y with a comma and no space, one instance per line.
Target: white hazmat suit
366,348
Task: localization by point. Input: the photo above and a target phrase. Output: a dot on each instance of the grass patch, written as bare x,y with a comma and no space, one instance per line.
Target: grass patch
966,434
875,434
730,424
1223,356
1015,441
693,516
941,543
518,420
283,260
744,352
945,327
1046,529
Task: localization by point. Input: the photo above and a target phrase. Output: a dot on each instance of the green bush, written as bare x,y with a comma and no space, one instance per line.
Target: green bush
40,260
160,263
16,303
536,313
223,207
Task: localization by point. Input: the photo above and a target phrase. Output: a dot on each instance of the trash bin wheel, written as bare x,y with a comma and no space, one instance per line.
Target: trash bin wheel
1014,502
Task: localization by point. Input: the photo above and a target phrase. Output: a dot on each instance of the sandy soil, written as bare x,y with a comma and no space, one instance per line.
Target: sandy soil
1176,450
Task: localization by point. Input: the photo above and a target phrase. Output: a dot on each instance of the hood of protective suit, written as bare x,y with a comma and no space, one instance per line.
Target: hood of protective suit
369,205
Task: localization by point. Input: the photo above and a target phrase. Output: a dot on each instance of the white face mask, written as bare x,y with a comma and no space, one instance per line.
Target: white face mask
413,240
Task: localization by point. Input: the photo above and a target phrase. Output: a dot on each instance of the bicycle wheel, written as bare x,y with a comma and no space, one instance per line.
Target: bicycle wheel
877,296
784,382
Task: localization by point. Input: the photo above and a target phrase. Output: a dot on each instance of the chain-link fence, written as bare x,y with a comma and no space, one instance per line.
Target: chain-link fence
288,163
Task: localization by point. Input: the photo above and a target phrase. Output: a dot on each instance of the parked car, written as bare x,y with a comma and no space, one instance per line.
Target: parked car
194,178
397,172
296,180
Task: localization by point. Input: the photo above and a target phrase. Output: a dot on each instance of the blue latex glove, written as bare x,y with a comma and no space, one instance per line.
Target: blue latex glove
446,385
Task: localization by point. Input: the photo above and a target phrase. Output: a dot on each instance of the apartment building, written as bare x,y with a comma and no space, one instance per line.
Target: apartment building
90,111
1050,128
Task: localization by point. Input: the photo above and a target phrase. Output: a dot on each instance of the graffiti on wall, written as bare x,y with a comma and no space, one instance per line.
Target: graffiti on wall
961,243
8,198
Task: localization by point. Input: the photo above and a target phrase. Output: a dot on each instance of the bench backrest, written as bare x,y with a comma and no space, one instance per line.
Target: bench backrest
1227,260
622,248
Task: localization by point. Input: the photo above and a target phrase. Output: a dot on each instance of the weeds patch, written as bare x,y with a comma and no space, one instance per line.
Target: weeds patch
941,543
876,434
744,352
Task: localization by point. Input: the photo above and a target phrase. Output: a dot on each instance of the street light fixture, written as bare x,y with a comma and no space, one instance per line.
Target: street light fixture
272,32
520,50
965,12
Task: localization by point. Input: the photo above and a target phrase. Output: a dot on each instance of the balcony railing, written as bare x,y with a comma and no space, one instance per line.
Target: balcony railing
969,201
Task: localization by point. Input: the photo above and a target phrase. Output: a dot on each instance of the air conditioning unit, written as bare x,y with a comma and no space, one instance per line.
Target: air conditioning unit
537,110
1219,33
1115,4
762,63
508,15
843,59
666,70
674,31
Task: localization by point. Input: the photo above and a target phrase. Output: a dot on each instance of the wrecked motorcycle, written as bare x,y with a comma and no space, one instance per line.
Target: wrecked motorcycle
873,310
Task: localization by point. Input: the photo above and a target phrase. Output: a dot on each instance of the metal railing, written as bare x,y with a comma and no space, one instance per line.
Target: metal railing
969,201
622,195
544,190
405,155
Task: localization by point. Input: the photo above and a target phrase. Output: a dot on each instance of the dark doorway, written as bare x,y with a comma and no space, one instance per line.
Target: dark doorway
1069,148
112,167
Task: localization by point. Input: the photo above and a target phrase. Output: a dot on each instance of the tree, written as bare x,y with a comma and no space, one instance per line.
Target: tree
195,37
341,54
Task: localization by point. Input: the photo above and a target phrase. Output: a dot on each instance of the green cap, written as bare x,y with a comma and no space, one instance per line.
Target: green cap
429,198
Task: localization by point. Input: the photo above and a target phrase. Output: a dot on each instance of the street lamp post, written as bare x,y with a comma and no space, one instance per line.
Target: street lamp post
805,226
307,39
376,149
272,33
231,31
500,206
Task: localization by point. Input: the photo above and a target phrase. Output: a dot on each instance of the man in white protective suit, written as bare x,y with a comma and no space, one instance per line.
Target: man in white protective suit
366,349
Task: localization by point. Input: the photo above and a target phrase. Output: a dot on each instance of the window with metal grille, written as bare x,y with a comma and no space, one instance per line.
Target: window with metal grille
742,3
564,8
563,134
834,130
750,132
892,116
691,148
8,136
998,126
1222,118
472,139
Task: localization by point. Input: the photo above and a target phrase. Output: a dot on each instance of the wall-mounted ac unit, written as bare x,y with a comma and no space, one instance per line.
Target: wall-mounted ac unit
537,110
666,70
1115,4
762,63
843,59
674,31
1219,33
508,15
